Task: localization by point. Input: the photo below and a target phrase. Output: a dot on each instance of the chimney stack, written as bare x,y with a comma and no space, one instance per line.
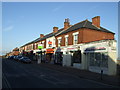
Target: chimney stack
96,21
55,29
41,35
66,23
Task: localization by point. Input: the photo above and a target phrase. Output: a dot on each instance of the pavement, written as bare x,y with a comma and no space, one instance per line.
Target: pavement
106,79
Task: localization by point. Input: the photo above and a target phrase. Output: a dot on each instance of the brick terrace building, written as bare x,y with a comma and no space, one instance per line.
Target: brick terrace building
85,45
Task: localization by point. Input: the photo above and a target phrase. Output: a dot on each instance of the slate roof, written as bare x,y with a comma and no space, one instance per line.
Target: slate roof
84,24
46,36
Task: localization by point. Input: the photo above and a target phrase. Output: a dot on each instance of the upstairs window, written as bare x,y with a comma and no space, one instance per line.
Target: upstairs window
43,44
75,38
66,40
59,42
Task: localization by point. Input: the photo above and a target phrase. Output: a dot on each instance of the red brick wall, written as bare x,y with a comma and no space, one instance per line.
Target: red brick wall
70,37
93,35
85,35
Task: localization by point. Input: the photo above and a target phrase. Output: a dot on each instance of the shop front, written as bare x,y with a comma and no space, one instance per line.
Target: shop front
97,59
49,55
99,56
58,58
72,56
75,53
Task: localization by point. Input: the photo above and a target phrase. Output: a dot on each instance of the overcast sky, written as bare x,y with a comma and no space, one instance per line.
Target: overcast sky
23,22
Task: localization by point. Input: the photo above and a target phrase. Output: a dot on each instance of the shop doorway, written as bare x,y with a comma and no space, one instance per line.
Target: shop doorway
58,58
48,57
76,59
76,56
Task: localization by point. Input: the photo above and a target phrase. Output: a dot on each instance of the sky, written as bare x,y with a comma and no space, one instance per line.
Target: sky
23,22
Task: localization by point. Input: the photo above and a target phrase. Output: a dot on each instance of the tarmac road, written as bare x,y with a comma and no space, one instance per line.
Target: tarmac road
20,75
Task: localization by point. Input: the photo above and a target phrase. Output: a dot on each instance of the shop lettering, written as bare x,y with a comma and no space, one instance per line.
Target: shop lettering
70,48
93,49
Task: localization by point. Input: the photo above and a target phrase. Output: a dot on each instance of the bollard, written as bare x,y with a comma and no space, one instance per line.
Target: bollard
101,74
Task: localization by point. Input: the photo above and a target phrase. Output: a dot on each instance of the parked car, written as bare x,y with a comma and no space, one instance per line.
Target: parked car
11,57
15,57
19,57
25,60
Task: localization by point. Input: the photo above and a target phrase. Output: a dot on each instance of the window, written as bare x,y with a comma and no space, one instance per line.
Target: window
36,46
42,44
104,60
59,42
99,59
75,38
66,41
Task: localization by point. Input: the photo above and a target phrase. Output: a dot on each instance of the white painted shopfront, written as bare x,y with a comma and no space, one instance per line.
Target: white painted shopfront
100,55
95,56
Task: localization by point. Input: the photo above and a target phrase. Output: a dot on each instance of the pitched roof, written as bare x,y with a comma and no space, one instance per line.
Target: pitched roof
16,49
84,24
48,35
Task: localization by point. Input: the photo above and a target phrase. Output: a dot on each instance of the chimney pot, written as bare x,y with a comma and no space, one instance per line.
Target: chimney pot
41,35
96,21
66,23
55,29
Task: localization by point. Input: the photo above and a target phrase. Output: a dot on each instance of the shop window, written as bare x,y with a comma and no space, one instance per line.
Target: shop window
92,63
104,60
77,57
98,59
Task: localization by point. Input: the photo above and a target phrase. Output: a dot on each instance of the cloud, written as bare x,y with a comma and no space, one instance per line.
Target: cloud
57,8
9,28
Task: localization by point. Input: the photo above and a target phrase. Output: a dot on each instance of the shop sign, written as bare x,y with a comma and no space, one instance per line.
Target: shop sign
49,42
49,50
40,46
96,48
72,49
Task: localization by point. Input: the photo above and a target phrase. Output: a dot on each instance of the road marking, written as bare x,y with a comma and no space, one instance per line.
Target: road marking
6,81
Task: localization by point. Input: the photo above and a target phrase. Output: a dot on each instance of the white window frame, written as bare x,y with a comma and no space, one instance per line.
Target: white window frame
59,41
66,40
43,43
74,34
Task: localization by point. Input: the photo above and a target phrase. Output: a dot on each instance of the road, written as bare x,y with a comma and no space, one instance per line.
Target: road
21,75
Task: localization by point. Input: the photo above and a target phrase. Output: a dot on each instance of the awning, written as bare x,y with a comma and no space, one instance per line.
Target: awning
49,50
